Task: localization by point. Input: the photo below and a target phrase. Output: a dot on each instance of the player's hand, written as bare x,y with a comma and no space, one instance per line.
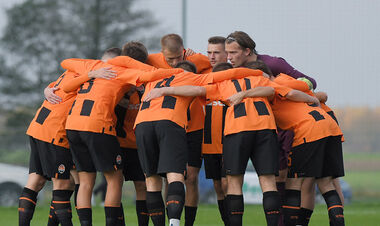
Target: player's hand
235,99
51,97
105,73
316,102
189,52
322,96
155,93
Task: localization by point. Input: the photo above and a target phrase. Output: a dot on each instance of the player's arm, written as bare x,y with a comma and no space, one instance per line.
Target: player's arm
158,74
201,62
282,66
298,96
264,91
235,73
188,91
75,83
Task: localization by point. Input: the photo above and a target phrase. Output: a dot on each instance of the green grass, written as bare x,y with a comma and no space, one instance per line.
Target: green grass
355,214
365,185
361,156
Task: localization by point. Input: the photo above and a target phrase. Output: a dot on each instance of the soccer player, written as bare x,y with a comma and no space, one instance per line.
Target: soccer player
250,133
126,112
50,156
316,153
173,52
212,145
162,143
241,50
91,128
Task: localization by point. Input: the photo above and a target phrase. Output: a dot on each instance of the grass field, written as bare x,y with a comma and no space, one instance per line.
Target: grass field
366,214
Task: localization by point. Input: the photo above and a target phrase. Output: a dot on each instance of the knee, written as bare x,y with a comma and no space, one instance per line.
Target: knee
140,186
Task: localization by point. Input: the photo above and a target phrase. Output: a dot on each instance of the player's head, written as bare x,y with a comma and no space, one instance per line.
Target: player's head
187,66
240,48
222,66
259,65
215,50
111,53
135,50
172,49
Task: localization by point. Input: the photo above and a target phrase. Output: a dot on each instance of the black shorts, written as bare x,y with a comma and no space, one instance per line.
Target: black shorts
260,146
214,167
162,147
194,144
94,152
49,160
132,168
321,158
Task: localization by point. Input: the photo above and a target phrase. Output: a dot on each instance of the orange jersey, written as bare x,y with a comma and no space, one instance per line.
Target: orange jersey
289,81
307,122
201,62
93,109
252,113
49,122
196,115
196,112
174,108
126,119
213,132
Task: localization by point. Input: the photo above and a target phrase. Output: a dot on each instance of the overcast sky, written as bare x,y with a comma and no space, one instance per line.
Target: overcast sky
336,42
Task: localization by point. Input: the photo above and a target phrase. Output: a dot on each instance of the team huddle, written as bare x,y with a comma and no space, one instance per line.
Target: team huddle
154,118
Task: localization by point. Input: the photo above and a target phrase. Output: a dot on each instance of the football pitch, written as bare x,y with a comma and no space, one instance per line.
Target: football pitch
367,214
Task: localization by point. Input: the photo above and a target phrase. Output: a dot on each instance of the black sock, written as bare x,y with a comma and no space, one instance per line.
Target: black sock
222,211
271,204
85,216
26,206
335,207
53,220
304,217
175,200
156,207
62,206
121,218
112,213
190,213
281,190
76,188
142,213
291,207
235,204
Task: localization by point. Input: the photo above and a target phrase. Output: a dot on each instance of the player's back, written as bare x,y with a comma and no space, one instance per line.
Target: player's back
173,108
49,122
249,115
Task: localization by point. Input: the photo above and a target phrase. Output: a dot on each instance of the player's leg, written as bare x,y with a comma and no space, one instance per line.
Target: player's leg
112,202
307,200
62,185
265,157
148,153
36,181
194,141
132,172
154,202
214,170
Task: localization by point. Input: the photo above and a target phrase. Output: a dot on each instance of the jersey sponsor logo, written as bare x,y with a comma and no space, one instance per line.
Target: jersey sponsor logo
61,169
215,103
118,159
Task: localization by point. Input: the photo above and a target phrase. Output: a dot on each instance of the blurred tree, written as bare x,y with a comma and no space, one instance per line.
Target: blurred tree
41,33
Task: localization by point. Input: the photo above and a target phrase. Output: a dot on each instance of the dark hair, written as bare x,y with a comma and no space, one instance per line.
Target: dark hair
114,52
243,40
260,65
135,50
186,65
216,40
222,66
172,42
